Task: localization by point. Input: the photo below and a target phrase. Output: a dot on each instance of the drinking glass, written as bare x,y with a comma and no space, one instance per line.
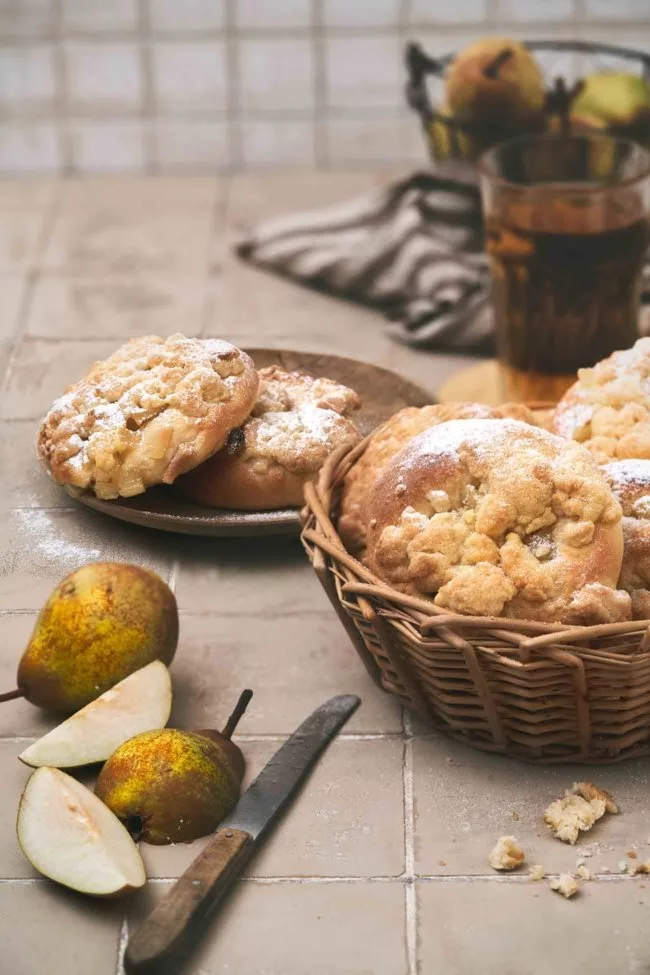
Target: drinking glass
567,225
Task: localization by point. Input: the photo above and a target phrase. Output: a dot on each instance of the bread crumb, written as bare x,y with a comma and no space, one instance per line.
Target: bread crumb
590,791
568,816
605,870
515,816
566,884
622,866
631,854
537,872
506,854
642,867
442,863
584,872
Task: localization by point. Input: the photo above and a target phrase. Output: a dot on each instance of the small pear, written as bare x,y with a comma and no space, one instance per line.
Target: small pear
101,623
140,702
450,141
616,100
497,82
172,786
72,838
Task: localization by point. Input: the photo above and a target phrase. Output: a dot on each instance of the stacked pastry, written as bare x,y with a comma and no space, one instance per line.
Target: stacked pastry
158,409
487,513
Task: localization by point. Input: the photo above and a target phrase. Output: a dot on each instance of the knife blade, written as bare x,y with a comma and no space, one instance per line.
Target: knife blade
176,922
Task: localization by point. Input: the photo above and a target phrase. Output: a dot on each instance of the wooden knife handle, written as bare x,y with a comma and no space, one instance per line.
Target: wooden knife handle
166,934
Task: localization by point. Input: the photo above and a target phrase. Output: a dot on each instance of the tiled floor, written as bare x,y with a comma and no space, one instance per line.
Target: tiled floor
380,866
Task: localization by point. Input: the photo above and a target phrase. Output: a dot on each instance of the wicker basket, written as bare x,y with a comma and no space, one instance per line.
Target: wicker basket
541,692
563,63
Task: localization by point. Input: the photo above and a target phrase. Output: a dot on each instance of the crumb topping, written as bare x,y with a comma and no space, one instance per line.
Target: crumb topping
131,421
608,408
493,517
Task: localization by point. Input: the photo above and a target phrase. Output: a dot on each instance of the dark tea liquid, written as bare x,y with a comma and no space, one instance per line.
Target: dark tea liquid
565,286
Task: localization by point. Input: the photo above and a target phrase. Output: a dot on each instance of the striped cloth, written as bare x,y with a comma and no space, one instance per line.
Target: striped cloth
413,250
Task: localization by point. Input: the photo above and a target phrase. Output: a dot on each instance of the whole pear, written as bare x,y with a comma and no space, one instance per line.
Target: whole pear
173,786
613,99
101,623
496,81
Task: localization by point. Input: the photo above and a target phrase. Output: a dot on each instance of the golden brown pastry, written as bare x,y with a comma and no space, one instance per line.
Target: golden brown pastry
630,482
296,424
499,518
608,408
151,411
388,440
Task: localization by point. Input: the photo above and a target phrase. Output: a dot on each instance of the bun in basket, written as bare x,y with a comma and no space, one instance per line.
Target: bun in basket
499,518
630,482
388,440
608,408
296,424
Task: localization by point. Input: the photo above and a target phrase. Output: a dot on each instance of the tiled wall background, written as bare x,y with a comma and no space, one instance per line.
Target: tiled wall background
196,85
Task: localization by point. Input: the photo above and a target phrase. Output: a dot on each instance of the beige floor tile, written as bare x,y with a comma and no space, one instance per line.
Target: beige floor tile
41,371
242,576
29,193
13,290
126,193
465,800
294,929
525,928
427,368
259,196
13,774
18,719
292,665
45,929
25,483
120,307
22,237
256,308
13,293
104,240
40,547
344,823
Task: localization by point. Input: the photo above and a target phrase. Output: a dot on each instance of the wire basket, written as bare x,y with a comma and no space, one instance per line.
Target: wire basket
546,693
564,64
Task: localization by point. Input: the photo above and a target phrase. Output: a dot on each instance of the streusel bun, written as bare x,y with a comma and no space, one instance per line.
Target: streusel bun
388,440
630,482
499,518
296,424
151,411
608,408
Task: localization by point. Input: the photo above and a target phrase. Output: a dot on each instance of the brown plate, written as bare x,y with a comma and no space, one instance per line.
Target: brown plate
382,392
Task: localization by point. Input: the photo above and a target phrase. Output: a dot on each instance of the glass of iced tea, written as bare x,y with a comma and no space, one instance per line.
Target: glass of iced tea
567,222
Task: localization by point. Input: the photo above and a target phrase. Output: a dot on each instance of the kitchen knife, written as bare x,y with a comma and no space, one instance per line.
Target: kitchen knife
176,922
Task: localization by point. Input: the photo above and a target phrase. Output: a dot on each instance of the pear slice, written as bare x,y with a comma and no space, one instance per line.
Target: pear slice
140,702
70,836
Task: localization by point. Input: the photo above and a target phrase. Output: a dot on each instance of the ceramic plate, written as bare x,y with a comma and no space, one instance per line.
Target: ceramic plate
382,392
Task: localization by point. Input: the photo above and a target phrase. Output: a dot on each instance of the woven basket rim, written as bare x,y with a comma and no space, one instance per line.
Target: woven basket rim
363,582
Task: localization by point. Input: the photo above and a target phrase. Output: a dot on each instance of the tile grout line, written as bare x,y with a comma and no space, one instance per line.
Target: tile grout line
214,263
148,107
233,111
410,901
173,574
32,276
253,738
121,946
522,879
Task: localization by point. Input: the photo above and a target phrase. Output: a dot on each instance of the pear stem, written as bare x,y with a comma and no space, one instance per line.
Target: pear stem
11,695
233,720
492,69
